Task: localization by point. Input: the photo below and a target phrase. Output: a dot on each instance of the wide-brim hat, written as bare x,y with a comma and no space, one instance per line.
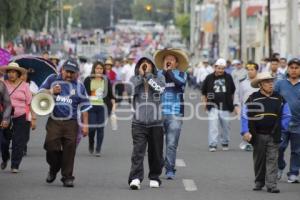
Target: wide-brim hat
182,58
261,77
108,62
13,66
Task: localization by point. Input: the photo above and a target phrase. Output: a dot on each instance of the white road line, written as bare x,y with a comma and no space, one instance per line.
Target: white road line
180,163
189,185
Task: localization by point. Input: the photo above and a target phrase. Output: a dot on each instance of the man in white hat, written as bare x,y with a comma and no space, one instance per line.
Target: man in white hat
218,89
264,115
239,71
173,64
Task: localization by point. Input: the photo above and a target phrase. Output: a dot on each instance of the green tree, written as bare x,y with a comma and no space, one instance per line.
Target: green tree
16,14
182,21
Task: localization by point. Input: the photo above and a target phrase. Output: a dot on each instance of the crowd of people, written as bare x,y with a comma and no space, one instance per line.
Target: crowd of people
263,96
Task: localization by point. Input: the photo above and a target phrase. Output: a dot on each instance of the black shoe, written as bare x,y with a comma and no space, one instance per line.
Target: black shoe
51,177
68,183
258,187
273,190
3,165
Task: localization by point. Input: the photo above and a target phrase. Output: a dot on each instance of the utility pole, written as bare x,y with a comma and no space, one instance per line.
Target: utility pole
292,29
269,29
243,27
223,29
46,21
61,16
111,13
192,26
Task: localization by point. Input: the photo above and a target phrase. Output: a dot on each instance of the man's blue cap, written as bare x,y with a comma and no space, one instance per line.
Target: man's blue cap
71,65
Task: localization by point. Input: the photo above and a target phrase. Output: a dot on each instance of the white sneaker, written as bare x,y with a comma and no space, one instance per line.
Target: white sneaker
14,171
225,147
154,184
135,184
212,149
293,179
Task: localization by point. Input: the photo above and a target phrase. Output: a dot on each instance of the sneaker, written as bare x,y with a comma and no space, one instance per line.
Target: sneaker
3,165
98,154
154,184
212,148
273,190
170,175
68,183
14,170
225,147
279,174
51,177
135,184
293,179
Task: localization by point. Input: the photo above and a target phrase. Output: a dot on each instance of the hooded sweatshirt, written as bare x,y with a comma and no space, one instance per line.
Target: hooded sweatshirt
146,94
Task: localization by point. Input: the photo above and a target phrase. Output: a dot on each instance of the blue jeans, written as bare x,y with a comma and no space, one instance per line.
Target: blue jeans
97,122
172,129
294,139
217,117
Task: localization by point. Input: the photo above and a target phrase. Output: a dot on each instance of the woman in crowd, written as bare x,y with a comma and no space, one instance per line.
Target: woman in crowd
99,89
20,97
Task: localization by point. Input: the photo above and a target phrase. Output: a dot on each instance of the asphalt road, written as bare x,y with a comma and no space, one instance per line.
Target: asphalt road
200,174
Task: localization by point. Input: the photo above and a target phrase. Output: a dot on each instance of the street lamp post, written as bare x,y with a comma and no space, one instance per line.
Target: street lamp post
269,29
70,18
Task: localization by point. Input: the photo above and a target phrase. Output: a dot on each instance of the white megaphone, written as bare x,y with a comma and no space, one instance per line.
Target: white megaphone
42,103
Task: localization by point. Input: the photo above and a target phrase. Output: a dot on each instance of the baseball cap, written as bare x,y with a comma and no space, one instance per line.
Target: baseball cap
221,62
71,65
294,61
236,62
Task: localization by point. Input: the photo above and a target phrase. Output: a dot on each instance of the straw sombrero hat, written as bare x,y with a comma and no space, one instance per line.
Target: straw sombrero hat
181,56
260,77
13,66
109,62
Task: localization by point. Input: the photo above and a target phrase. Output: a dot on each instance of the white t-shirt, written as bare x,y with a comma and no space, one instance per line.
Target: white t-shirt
202,72
128,72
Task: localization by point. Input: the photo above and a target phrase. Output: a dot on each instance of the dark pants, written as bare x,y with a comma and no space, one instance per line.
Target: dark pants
119,89
27,134
97,122
155,138
294,140
18,142
60,144
265,156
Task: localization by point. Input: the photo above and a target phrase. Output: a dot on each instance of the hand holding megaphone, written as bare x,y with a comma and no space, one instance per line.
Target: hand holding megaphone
56,89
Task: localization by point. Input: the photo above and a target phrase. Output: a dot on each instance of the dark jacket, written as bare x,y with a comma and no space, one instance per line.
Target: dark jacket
147,106
267,115
108,95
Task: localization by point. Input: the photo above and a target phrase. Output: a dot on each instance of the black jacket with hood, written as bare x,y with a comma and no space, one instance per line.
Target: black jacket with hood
147,105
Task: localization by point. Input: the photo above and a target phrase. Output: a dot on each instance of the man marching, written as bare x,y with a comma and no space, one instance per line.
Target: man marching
71,106
264,115
173,64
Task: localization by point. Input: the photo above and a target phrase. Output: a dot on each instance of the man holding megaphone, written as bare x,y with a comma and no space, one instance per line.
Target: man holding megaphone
62,127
